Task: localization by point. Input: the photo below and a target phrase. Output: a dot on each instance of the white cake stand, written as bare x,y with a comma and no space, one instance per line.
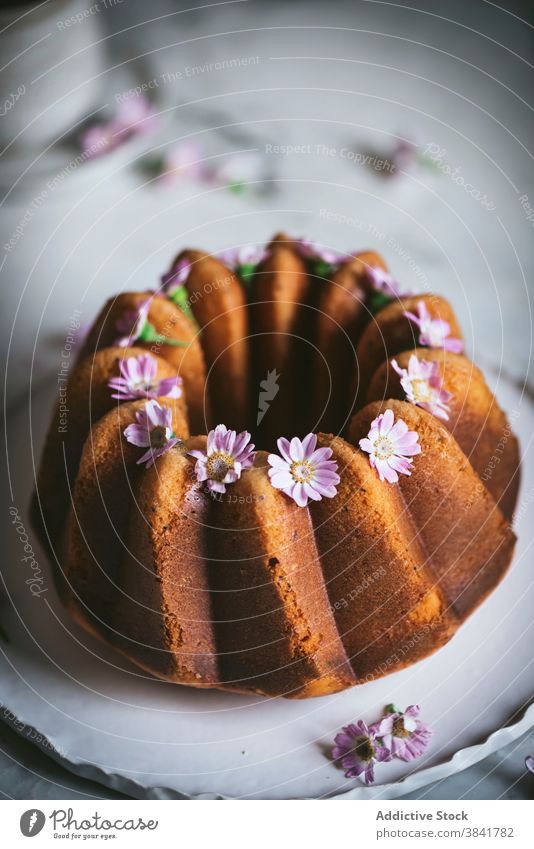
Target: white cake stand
109,721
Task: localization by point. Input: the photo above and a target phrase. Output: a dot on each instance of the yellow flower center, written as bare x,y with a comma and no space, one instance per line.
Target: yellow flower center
301,471
421,390
158,436
218,465
143,385
383,448
364,749
398,728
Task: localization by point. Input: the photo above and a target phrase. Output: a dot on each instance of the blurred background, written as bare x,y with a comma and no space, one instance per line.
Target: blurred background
129,130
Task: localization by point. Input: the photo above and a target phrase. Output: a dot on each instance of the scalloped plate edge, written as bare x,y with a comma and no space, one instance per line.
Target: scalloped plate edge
462,759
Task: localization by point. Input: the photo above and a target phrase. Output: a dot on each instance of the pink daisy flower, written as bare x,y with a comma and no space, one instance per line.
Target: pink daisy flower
237,171
434,332
184,161
153,430
403,733
243,256
132,324
135,116
403,155
97,140
138,380
244,260
390,446
173,285
383,281
358,750
423,386
303,471
227,454
314,251
176,277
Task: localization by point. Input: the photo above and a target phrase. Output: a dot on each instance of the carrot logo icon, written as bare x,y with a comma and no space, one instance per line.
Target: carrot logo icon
32,822
269,389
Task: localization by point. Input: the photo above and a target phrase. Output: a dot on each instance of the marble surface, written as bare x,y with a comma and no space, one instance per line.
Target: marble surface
295,96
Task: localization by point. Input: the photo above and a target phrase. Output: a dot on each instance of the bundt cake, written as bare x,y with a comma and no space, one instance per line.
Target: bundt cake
323,560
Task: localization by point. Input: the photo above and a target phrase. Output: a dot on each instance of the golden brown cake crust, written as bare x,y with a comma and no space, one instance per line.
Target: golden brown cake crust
244,590
103,501
467,540
274,630
388,607
390,332
89,398
280,323
163,615
341,317
167,319
218,302
476,421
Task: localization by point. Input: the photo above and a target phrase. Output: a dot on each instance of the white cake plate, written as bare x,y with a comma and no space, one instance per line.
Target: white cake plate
109,721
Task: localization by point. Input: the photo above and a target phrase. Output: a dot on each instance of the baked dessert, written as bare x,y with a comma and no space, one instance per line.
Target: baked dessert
328,559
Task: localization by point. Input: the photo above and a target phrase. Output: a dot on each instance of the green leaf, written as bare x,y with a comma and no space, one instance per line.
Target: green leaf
321,268
150,334
180,297
236,187
427,162
246,273
391,709
378,300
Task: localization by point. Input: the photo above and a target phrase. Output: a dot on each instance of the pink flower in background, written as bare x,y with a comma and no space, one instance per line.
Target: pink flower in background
423,386
132,324
358,750
314,251
303,471
187,160
153,431
403,156
138,380
176,277
434,332
390,445
134,116
184,161
382,281
237,170
97,140
402,733
227,454
243,256
529,763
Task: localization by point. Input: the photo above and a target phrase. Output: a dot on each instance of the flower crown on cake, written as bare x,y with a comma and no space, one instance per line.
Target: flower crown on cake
301,470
